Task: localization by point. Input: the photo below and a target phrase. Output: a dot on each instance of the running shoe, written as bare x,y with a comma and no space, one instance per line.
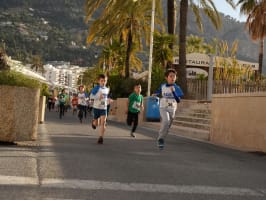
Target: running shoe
132,134
161,143
100,140
92,125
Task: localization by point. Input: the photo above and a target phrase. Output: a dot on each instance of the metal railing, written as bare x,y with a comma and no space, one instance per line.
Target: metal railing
197,89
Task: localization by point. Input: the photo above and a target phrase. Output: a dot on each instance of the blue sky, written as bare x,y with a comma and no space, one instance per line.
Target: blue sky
223,7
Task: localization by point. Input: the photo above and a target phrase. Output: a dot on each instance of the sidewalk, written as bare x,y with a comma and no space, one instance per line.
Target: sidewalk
67,163
21,160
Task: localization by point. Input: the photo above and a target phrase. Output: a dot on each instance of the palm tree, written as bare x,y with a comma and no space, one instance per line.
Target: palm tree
92,5
208,7
37,63
127,20
256,23
197,44
162,53
171,18
112,57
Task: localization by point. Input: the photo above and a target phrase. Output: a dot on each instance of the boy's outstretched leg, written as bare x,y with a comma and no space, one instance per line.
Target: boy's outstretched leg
80,115
102,129
94,123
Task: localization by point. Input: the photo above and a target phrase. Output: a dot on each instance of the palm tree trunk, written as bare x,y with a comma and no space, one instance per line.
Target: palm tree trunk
171,18
260,58
181,68
171,23
128,52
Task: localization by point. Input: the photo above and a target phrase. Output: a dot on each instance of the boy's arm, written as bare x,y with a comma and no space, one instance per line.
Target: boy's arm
95,90
177,92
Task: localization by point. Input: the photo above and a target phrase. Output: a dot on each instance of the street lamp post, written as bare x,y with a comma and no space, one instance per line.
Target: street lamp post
210,78
151,48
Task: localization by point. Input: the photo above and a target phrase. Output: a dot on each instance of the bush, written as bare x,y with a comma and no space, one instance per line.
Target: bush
122,88
13,78
45,90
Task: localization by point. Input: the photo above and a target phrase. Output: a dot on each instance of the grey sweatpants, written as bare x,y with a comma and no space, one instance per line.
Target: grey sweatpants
167,117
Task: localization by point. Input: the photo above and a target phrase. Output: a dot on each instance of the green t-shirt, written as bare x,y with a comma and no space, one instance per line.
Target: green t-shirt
62,99
135,102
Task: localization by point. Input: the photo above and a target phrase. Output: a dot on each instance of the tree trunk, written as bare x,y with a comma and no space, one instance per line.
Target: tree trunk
129,47
260,58
171,23
171,18
181,68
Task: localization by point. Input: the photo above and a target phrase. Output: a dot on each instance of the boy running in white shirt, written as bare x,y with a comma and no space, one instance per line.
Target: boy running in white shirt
171,94
100,96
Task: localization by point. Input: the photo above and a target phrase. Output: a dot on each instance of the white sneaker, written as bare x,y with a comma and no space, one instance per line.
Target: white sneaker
132,135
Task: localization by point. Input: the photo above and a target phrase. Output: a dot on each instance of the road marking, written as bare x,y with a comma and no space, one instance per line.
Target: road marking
131,187
59,199
18,180
143,187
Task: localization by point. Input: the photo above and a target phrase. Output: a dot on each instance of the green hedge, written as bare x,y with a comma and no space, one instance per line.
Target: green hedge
13,78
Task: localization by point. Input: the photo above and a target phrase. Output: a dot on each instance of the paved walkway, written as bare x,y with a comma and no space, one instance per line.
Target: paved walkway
66,163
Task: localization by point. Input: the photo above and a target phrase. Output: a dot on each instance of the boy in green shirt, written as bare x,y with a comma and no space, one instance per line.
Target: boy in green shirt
134,107
62,101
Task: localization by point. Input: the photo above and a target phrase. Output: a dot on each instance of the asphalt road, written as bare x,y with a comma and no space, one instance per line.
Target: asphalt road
67,163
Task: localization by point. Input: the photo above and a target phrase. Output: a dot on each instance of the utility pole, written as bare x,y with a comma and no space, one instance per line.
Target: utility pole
151,48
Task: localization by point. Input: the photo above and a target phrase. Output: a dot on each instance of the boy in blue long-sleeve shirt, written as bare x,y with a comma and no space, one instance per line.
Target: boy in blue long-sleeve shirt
100,96
171,94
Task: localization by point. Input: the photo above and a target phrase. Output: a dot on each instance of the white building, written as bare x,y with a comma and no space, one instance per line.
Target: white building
57,74
64,75
20,67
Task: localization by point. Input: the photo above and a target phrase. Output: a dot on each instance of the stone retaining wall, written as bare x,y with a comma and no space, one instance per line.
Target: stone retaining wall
238,120
19,107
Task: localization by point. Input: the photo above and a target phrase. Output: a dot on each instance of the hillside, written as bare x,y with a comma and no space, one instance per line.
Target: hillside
56,31
231,30
53,29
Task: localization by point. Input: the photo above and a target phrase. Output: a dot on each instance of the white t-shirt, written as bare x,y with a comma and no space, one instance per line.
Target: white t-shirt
82,99
168,99
101,98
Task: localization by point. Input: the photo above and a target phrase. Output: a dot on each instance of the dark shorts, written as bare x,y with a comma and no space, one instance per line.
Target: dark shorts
97,113
132,117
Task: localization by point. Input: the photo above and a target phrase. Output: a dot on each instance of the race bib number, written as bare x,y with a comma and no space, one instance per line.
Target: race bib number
136,105
169,103
103,103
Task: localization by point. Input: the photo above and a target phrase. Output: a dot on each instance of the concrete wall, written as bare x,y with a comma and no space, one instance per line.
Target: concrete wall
239,121
19,107
118,107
